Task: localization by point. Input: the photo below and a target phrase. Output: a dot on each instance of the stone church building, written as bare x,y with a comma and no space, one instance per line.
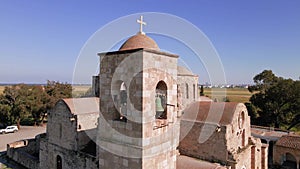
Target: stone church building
145,114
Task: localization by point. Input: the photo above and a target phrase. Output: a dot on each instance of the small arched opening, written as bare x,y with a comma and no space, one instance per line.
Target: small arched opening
241,119
187,90
194,91
123,101
161,100
289,161
243,138
58,162
120,100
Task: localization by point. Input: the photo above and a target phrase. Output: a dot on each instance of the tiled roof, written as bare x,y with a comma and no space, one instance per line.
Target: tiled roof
185,162
214,112
289,141
82,105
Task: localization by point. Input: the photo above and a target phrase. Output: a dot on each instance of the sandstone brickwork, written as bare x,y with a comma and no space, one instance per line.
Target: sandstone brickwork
220,132
142,140
287,151
188,86
71,127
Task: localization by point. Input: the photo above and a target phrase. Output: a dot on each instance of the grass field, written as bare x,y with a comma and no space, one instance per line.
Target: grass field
232,94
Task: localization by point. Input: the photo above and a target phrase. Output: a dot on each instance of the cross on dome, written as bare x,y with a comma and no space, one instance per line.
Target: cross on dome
141,22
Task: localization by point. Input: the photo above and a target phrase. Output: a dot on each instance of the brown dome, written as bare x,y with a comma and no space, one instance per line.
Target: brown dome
139,41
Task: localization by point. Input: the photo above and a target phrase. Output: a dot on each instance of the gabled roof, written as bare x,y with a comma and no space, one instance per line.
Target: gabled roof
184,162
289,141
78,106
214,112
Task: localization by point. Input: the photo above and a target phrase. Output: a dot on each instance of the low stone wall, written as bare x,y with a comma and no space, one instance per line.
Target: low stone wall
24,153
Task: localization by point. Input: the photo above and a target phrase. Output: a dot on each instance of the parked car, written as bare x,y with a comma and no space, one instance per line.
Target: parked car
9,129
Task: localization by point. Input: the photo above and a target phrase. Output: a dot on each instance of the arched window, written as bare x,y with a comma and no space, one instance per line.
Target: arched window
119,91
194,91
289,161
187,90
60,131
243,138
161,100
58,162
241,119
123,101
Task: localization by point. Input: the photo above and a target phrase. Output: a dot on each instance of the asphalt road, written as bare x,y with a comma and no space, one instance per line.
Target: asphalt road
25,132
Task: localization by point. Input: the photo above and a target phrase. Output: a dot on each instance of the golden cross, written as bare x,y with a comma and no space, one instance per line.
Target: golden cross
141,22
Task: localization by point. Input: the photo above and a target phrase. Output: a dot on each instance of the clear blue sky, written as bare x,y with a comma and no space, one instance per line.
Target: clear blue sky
41,40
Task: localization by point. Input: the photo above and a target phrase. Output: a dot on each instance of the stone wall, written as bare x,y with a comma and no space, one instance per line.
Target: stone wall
25,152
70,159
226,143
141,136
188,87
264,156
238,131
242,159
62,127
279,155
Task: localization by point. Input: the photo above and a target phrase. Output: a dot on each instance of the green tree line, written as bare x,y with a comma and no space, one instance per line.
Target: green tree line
275,101
20,102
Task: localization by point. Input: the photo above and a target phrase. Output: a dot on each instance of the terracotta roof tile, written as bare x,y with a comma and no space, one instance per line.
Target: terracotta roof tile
82,105
184,162
290,141
214,112
139,41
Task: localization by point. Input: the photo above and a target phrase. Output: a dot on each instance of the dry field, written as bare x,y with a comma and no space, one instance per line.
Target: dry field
1,89
80,90
233,94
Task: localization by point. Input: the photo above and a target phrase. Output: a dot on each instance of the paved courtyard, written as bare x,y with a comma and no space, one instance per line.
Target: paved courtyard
25,132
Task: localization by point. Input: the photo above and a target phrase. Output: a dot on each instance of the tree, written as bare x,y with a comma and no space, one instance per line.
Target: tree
253,113
13,103
274,99
57,90
263,81
5,112
23,101
38,103
296,105
54,91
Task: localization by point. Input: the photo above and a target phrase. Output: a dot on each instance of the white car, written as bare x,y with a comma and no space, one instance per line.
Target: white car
9,129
